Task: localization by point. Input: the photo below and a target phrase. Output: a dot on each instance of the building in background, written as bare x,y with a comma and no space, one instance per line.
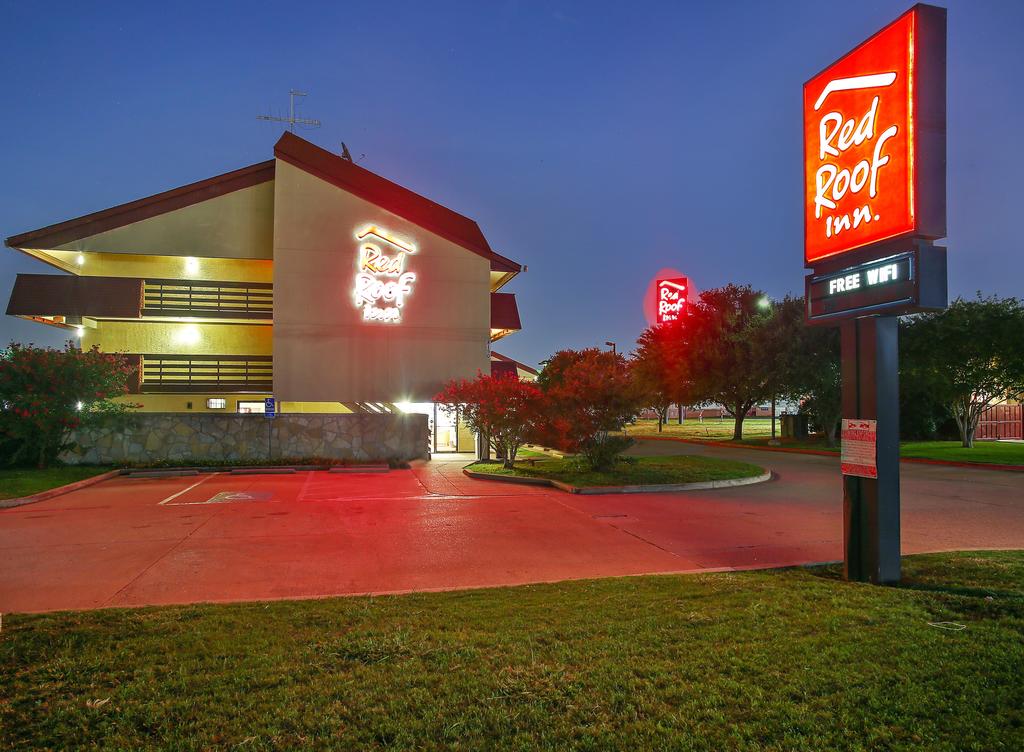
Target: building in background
306,277
504,365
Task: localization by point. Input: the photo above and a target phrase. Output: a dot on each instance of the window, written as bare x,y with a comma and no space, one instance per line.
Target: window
216,403
250,406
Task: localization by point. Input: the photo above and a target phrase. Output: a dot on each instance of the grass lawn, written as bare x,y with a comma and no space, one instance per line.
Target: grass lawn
771,660
757,432
644,471
525,453
989,452
15,483
711,429
996,452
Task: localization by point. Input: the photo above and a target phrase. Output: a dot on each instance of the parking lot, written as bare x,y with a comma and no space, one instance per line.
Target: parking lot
221,537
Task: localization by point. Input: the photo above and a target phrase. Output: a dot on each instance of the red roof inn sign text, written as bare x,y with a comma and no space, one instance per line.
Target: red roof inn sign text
874,140
875,170
382,282
671,299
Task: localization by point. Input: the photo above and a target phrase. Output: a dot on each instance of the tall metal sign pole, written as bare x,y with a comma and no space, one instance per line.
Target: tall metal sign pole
874,205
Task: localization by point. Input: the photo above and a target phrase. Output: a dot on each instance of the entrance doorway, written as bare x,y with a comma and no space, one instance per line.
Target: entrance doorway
448,432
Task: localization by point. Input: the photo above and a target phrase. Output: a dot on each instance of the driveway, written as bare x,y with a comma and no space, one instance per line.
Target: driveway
132,542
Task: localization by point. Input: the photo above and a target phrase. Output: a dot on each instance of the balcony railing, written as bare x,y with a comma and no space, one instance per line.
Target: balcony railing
225,300
206,373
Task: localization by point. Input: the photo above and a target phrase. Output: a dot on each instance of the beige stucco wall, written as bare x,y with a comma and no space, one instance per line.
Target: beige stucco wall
179,403
323,351
312,407
163,267
239,224
179,338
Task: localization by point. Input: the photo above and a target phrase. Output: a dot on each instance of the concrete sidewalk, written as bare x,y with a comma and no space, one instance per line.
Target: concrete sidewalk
129,542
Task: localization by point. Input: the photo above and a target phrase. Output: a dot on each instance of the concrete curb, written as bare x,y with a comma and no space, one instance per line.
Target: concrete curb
360,469
59,491
595,490
159,473
823,453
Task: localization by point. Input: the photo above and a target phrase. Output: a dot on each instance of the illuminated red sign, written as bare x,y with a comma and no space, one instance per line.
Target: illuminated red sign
670,299
382,283
874,140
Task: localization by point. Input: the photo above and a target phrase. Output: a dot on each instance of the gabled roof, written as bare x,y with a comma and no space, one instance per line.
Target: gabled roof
302,154
144,208
371,187
505,359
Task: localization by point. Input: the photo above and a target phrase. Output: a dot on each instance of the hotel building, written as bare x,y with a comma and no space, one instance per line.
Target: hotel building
306,278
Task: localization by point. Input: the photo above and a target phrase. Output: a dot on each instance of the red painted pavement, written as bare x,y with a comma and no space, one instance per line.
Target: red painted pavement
128,542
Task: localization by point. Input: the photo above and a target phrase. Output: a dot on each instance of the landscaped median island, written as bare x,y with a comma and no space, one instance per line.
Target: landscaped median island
790,659
628,471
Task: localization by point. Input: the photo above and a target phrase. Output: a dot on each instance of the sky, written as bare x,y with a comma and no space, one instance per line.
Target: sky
595,142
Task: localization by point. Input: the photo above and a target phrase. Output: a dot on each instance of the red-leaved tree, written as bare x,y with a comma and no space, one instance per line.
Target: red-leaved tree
501,408
661,369
45,394
588,394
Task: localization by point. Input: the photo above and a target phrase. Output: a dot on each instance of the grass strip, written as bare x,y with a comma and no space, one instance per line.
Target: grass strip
771,660
18,482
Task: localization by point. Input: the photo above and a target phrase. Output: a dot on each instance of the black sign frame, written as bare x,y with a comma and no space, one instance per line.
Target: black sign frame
922,286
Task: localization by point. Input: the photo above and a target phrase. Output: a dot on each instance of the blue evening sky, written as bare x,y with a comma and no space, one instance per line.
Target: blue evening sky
597,142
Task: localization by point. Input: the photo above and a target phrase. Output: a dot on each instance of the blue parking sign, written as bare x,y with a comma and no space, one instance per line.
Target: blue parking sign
269,407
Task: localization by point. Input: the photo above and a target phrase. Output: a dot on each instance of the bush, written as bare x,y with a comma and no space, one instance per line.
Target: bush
602,450
46,394
587,394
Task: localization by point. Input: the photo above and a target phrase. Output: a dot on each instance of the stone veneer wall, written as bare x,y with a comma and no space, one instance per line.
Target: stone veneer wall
161,437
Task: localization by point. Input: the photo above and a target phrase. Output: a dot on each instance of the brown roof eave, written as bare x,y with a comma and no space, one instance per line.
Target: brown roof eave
87,225
391,196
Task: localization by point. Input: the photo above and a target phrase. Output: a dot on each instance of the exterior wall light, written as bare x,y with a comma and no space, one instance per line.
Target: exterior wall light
191,265
188,335
80,260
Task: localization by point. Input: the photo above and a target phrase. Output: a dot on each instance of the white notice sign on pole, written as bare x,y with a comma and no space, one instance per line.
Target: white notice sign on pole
859,450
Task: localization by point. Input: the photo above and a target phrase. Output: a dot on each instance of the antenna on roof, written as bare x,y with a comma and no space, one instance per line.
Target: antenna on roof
291,119
346,154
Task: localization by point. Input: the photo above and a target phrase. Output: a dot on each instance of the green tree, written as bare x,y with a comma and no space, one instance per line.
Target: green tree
734,351
809,368
969,356
47,394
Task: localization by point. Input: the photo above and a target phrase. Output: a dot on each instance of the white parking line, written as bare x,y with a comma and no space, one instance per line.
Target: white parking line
172,497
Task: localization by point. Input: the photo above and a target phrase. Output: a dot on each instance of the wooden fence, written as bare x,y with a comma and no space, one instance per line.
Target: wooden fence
1001,422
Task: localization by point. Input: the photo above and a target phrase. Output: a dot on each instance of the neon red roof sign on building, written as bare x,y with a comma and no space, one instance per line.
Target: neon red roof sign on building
671,299
874,140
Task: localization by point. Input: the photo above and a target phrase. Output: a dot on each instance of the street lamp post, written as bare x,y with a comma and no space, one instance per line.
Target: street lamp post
612,346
